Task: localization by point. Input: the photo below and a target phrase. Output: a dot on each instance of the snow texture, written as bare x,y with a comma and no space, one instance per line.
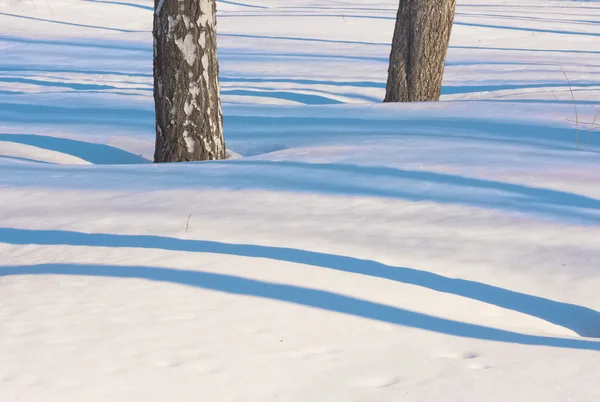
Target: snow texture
347,250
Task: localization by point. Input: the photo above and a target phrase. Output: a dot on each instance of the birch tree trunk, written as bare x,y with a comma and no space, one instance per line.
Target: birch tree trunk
189,119
419,48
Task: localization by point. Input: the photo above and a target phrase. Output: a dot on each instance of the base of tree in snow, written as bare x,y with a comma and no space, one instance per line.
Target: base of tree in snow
189,119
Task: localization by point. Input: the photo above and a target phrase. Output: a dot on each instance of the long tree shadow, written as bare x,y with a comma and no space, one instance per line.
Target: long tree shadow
305,297
21,159
98,154
82,43
516,197
358,84
237,3
460,89
70,85
69,23
62,70
312,15
528,50
273,128
527,18
302,39
231,56
535,7
120,3
582,320
306,99
539,30
85,115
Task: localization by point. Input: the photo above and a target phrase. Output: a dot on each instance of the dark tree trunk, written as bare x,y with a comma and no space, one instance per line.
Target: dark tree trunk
189,120
419,50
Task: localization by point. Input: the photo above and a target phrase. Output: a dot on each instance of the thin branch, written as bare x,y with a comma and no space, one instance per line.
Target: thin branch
51,11
575,106
187,225
584,123
592,128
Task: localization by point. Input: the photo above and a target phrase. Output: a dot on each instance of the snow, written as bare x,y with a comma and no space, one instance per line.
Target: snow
346,251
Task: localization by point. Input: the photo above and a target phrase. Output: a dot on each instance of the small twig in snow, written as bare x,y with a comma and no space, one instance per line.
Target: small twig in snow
592,126
51,11
575,106
584,123
187,225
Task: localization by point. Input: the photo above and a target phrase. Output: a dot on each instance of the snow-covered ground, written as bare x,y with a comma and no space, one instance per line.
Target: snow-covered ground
356,252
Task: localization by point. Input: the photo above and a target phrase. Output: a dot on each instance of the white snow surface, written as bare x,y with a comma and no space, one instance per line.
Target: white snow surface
347,251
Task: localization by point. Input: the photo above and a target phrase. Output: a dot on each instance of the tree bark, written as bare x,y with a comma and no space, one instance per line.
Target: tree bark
189,119
419,48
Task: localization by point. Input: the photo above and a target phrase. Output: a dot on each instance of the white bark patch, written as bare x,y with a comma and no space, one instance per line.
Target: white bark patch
189,142
207,145
220,118
204,62
202,40
207,15
188,48
186,21
188,108
194,90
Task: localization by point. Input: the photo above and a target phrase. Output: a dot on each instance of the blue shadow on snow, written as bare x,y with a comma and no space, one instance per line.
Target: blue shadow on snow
582,320
516,197
274,129
120,3
71,85
98,154
69,23
290,96
319,299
